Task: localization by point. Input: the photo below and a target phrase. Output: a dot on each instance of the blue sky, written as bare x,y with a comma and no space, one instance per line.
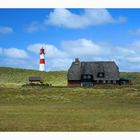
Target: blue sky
89,34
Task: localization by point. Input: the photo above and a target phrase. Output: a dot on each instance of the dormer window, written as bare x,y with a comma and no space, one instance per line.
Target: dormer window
101,75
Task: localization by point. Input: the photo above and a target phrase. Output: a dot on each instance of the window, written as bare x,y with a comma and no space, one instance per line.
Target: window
111,81
86,77
100,75
89,77
100,81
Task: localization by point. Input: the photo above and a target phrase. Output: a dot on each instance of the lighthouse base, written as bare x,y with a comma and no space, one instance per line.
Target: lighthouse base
42,67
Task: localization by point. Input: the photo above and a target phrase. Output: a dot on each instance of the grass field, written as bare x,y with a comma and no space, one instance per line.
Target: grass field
107,108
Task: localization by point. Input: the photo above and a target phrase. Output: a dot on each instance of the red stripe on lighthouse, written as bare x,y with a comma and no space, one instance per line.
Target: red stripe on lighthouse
42,61
42,53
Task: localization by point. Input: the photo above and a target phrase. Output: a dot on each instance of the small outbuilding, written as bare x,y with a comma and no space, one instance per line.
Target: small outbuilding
35,80
94,72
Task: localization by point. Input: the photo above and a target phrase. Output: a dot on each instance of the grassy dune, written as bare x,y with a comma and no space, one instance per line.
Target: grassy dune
108,108
16,77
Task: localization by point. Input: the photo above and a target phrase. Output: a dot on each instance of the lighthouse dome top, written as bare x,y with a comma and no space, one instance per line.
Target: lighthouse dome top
42,51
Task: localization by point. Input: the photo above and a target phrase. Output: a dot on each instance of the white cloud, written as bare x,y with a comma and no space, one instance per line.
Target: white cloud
70,49
56,59
136,46
87,50
20,63
82,47
15,62
66,18
13,53
1,51
90,17
125,51
51,50
134,59
5,30
60,58
33,27
58,63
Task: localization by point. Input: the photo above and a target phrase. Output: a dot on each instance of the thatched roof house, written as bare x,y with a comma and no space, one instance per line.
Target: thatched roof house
89,73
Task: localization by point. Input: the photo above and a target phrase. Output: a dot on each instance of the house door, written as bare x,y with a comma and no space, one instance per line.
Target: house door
86,80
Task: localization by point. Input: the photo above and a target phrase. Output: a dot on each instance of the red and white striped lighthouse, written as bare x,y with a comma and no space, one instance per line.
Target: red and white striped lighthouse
42,60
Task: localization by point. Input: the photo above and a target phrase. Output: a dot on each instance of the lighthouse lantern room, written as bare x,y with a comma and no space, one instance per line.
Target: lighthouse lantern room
42,60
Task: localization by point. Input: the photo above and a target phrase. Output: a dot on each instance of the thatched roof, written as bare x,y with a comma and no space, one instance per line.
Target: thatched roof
109,68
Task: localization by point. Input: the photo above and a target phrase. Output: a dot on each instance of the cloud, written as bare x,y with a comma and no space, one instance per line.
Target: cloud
125,51
1,51
90,17
58,64
51,50
56,59
62,17
5,30
121,19
82,47
60,57
14,57
87,50
136,46
134,59
19,63
70,49
33,27
13,53
135,32
15,62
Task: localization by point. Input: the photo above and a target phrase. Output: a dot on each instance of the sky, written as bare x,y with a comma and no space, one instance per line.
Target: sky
66,34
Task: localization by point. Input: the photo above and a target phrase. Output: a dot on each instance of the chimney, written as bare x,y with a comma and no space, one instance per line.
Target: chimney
77,61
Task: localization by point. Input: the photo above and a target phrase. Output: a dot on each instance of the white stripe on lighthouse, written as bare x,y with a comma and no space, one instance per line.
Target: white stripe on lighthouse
42,56
42,67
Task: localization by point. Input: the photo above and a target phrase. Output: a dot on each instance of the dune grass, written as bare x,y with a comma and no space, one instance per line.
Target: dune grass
106,108
11,77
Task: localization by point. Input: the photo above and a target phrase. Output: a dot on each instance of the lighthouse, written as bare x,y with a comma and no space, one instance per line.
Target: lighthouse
42,60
